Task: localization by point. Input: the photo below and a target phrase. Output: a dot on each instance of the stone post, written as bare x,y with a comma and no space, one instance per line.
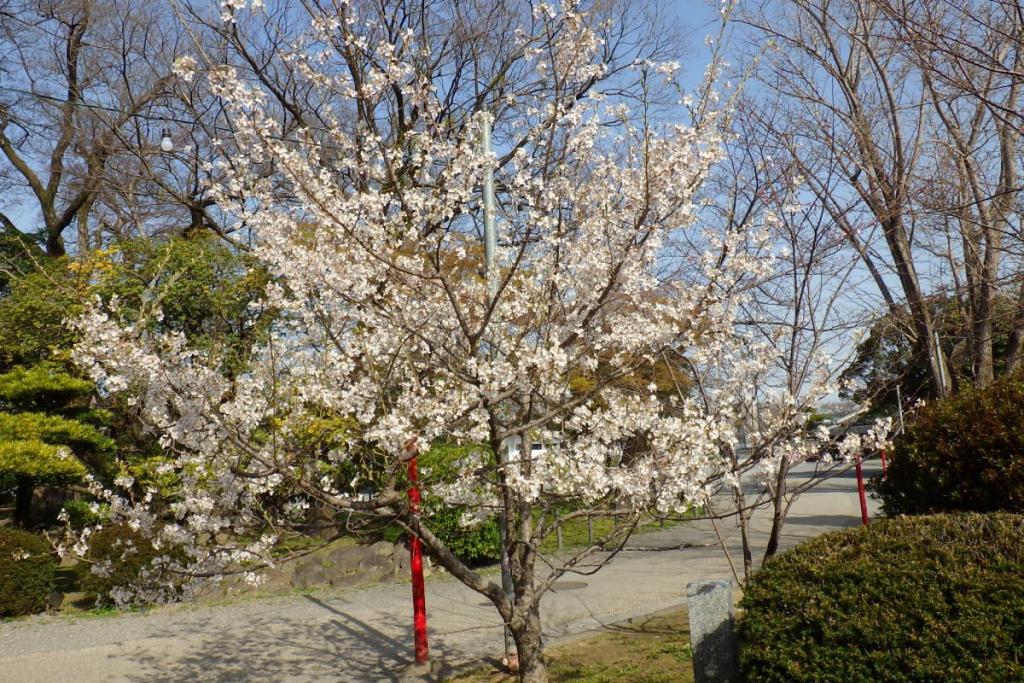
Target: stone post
712,631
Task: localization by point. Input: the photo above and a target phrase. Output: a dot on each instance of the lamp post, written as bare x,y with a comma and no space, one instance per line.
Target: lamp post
490,249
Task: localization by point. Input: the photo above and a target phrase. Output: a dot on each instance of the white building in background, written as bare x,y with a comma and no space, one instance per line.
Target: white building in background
514,444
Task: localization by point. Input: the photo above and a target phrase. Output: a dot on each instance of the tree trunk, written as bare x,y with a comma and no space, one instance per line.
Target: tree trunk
984,370
744,523
529,646
921,317
1016,343
778,510
54,243
23,502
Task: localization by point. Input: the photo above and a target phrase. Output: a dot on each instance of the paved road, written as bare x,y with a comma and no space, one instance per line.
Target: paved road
364,635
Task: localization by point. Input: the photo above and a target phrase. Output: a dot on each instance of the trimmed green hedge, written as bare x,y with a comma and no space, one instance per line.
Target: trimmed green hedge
963,453
913,599
27,570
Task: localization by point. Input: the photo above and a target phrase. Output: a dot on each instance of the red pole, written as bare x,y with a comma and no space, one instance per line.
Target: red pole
862,494
419,600
885,466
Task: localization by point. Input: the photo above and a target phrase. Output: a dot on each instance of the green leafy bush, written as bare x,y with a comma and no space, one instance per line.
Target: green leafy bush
478,543
42,387
34,308
27,570
119,558
206,290
961,453
910,599
82,513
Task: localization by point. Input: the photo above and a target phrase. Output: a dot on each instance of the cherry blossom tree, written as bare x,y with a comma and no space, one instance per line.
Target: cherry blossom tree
386,322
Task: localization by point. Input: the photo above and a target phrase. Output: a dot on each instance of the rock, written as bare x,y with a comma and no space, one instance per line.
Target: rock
712,631
383,548
375,567
400,561
347,559
346,580
310,575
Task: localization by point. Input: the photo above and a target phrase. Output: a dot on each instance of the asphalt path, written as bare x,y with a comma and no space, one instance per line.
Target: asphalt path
362,635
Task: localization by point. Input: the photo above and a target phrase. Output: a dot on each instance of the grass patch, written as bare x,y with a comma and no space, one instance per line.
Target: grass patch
651,649
575,532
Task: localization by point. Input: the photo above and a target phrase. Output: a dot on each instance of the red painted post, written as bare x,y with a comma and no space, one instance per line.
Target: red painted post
862,494
885,466
419,600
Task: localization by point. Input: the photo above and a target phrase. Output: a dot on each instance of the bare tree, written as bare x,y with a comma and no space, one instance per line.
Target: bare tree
969,56
804,312
87,95
853,103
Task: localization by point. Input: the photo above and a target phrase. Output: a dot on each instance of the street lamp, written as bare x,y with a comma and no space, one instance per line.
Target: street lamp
166,143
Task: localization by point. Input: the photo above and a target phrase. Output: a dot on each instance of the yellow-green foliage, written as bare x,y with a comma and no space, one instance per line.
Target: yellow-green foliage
38,447
41,387
33,311
81,438
42,462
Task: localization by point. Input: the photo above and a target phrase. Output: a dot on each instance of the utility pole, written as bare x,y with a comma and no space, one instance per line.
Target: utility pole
490,255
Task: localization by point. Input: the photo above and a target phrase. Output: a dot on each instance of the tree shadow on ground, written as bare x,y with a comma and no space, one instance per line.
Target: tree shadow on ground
283,648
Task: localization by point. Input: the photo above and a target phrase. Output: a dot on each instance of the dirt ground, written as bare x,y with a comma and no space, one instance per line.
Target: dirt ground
651,649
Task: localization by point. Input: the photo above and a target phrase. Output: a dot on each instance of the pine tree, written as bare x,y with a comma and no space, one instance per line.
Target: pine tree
48,434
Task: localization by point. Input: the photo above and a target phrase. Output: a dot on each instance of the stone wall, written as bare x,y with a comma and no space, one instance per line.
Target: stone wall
340,565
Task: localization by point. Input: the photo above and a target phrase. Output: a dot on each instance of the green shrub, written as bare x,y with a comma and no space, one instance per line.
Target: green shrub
119,558
27,570
910,599
962,453
475,544
80,513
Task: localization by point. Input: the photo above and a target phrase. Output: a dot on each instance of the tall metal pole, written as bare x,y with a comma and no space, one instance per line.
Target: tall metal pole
490,254
899,406
490,235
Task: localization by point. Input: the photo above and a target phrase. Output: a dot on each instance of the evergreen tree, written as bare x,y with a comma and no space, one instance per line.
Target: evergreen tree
49,436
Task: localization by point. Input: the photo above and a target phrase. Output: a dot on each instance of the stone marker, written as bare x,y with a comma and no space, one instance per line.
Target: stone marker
712,633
